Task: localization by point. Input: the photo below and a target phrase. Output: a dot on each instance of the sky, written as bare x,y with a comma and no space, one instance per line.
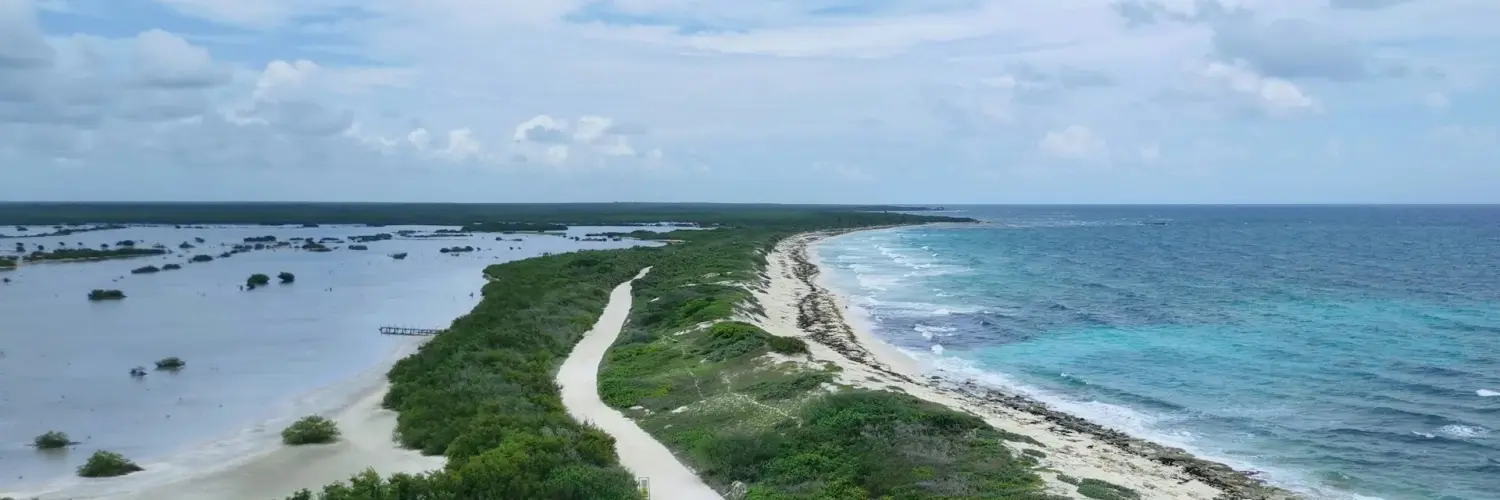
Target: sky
813,101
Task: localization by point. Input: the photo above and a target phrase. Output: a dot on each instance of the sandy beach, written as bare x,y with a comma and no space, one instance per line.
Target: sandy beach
794,294
367,442
666,477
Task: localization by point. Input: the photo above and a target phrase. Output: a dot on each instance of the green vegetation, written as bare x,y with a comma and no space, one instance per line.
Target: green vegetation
261,239
719,392
310,430
52,440
316,247
145,270
171,267
67,254
201,258
456,249
286,277
358,247
107,464
256,280
172,363
8,262
511,227
106,295
1103,490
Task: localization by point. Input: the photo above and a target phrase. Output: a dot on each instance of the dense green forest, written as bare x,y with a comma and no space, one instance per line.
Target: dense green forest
456,214
482,394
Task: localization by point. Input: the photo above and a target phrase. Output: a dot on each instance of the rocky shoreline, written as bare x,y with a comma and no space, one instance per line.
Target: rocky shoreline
821,316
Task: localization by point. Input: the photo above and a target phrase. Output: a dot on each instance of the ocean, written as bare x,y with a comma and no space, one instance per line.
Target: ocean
256,360
1344,352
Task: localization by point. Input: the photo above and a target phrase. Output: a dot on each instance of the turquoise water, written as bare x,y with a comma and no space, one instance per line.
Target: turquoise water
255,359
1345,352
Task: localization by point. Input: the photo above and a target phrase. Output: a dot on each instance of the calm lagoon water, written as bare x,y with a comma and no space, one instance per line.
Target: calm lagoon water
255,359
1347,352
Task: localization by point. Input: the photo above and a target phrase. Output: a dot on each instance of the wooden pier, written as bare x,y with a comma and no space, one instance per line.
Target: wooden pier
414,332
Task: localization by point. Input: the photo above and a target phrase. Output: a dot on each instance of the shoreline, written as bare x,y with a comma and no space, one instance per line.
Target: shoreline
366,441
799,303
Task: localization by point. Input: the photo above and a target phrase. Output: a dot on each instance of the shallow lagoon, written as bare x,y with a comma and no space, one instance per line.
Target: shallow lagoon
255,359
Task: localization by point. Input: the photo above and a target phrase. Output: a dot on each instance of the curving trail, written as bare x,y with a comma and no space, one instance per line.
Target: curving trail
643,455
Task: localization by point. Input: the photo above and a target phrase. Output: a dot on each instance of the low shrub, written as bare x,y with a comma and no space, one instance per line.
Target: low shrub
310,430
51,440
1104,490
170,363
107,464
786,345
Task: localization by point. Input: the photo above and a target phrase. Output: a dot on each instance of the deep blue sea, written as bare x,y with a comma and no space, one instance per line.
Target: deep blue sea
1346,352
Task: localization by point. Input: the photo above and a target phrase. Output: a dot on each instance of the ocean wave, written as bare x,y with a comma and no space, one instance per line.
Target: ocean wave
1486,393
1464,431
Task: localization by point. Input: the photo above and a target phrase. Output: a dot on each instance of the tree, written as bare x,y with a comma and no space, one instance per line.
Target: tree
107,464
257,279
286,277
310,430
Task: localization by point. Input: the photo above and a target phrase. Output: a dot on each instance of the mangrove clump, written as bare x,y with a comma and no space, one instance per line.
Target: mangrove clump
145,270
51,440
107,464
286,277
256,280
106,295
170,363
310,430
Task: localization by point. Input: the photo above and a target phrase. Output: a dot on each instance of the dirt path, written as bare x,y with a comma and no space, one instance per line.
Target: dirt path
667,478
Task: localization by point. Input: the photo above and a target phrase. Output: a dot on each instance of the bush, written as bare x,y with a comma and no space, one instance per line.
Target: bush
170,363
310,430
107,464
145,270
286,277
106,295
201,258
1104,490
786,345
52,440
171,267
256,280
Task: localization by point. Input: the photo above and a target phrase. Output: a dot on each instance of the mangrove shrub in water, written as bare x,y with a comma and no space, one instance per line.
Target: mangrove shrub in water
145,270
257,279
107,464
310,430
52,440
286,277
106,295
172,363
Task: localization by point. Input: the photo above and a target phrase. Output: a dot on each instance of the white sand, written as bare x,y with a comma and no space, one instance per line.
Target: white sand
643,455
367,443
1074,454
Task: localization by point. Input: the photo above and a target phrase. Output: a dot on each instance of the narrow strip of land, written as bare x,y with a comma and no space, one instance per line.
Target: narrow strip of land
667,478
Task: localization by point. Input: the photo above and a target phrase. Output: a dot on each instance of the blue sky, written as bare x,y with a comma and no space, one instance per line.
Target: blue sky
838,101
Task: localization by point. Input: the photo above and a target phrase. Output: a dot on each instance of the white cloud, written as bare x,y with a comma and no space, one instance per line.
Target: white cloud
1274,96
903,90
1073,143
